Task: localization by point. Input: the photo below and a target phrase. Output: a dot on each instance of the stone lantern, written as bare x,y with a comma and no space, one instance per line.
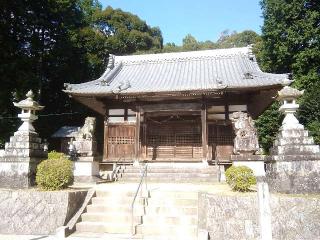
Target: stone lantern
288,97
24,150
294,162
28,112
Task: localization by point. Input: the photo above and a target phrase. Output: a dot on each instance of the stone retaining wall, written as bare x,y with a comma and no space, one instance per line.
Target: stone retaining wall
237,217
35,212
302,176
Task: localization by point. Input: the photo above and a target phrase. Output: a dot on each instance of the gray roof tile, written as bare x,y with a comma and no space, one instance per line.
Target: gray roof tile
185,71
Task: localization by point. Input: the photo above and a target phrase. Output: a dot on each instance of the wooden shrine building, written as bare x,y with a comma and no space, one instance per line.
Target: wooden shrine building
176,106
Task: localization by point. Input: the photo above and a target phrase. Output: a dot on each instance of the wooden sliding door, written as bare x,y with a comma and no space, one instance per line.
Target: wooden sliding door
120,141
174,141
220,141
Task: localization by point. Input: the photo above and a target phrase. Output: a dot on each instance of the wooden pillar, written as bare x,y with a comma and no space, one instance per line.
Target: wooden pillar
105,136
204,132
145,142
137,140
226,107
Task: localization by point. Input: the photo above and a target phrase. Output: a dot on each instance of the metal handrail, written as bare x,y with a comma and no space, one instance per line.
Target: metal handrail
143,177
116,168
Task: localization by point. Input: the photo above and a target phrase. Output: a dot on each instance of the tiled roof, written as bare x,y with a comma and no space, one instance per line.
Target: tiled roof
175,72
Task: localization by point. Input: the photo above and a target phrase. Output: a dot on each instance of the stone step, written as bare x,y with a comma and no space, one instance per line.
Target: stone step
177,202
164,237
293,141
106,236
295,149
109,217
172,170
170,220
172,211
116,200
293,133
186,175
103,227
295,157
123,209
173,194
174,231
170,179
110,193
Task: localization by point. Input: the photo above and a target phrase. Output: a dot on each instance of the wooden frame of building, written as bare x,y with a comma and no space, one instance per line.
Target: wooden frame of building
176,106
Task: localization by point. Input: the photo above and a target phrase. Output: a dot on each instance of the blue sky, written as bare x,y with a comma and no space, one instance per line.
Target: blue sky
204,19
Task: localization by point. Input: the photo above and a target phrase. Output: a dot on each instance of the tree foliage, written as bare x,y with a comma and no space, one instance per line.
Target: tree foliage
190,43
234,39
291,44
268,125
227,39
126,33
47,43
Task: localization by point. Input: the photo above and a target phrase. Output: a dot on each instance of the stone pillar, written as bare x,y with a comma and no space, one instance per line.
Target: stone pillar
24,151
246,144
86,164
294,162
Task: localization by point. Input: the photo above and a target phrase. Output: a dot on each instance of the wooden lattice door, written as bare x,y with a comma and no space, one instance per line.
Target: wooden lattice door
120,141
220,141
174,141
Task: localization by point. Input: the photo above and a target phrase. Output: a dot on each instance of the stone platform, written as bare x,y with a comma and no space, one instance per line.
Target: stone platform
255,162
20,159
294,162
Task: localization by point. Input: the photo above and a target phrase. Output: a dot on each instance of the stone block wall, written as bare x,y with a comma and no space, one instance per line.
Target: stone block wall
19,160
18,172
300,176
237,216
229,217
34,212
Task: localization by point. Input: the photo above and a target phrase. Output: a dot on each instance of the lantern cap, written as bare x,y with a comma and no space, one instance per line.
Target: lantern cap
289,93
29,103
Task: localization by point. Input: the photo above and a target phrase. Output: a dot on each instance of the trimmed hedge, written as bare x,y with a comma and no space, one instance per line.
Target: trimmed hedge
55,173
240,178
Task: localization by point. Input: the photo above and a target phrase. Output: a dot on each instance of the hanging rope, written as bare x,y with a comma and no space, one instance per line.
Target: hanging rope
44,115
177,117
160,122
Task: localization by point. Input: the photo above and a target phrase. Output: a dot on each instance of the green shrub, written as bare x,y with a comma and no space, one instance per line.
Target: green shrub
55,173
56,155
240,178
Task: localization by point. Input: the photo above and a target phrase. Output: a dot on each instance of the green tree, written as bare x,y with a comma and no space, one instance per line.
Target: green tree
291,44
208,45
309,112
268,125
126,33
47,43
234,39
171,47
190,43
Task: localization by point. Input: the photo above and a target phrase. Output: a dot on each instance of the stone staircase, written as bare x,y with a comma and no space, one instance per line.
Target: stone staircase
170,173
168,210
170,216
163,213
110,212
